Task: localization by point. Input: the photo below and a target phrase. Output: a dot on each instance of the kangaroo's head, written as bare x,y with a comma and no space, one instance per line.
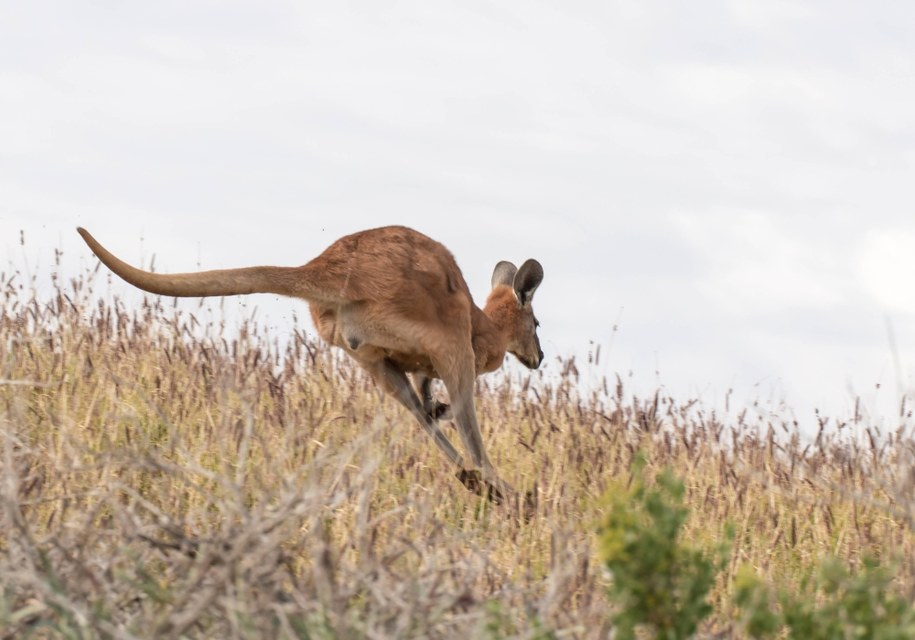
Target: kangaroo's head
512,292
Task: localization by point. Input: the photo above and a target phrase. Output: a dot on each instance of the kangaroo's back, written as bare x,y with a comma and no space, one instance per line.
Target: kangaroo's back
387,264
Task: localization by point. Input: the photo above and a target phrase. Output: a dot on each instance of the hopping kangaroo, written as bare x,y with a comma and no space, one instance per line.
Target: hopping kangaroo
394,300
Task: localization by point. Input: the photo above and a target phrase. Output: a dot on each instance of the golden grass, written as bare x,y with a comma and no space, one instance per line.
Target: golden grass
162,479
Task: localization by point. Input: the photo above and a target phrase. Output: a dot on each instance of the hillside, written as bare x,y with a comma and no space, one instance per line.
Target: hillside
163,478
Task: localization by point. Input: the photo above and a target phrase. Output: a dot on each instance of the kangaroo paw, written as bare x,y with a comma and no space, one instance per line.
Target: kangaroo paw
473,480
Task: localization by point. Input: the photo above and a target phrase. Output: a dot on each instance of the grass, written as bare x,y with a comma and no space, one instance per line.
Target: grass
162,477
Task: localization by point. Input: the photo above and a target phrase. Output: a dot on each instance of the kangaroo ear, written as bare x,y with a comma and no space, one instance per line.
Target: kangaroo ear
504,273
526,281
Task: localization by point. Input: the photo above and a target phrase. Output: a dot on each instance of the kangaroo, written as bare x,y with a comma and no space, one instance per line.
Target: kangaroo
397,303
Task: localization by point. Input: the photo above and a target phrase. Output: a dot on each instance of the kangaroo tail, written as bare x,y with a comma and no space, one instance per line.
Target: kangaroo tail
285,281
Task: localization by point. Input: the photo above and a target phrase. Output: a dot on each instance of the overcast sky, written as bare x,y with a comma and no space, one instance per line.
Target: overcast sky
729,183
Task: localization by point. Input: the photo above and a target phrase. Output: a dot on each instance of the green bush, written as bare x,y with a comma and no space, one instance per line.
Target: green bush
660,585
657,582
835,604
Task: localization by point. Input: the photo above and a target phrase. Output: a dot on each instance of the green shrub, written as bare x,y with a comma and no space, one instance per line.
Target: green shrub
754,601
835,603
660,585
657,581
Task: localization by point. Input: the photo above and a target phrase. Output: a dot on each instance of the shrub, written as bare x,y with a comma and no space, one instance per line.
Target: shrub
657,581
836,603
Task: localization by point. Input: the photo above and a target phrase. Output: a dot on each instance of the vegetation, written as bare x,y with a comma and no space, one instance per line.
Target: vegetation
161,476
657,580
659,585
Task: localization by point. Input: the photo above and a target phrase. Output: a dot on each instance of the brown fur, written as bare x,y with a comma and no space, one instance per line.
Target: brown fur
396,301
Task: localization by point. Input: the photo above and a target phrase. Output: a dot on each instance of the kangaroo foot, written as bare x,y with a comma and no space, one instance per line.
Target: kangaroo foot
473,480
526,504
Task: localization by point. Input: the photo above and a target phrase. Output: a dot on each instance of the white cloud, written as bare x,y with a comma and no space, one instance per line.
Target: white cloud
760,263
886,268
772,14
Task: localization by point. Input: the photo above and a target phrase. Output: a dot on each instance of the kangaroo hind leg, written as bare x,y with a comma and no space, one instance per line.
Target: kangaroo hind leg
458,374
394,382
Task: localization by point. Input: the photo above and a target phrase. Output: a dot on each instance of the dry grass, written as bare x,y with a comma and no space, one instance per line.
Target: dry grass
162,479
